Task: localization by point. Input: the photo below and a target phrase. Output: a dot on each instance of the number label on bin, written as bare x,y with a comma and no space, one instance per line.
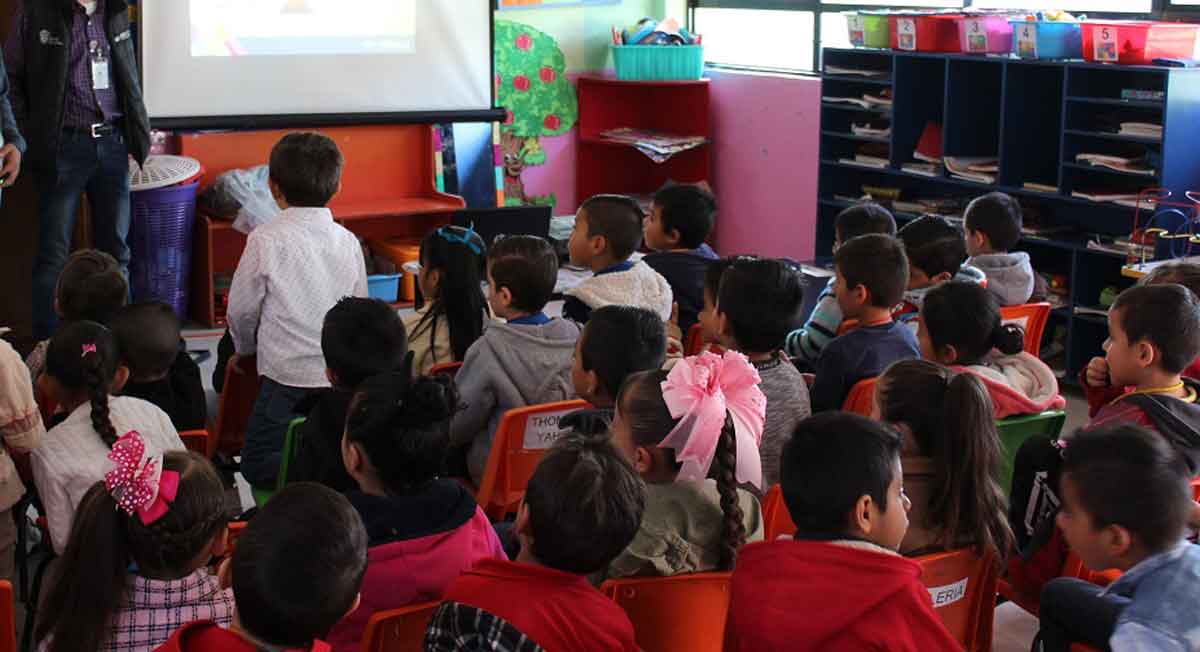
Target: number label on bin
976,35
1027,42
858,36
906,33
1104,43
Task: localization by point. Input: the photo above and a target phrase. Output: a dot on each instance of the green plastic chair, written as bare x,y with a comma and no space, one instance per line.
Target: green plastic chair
291,446
1014,431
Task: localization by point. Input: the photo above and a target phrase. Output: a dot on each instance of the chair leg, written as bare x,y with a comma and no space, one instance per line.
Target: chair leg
34,599
22,556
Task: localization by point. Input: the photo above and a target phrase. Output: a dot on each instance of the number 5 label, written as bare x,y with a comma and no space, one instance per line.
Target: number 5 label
906,31
1104,43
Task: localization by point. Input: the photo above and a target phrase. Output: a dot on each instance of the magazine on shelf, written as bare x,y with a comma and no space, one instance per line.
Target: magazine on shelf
657,145
871,130
868,161
979,169
848,100
857,72
1117,163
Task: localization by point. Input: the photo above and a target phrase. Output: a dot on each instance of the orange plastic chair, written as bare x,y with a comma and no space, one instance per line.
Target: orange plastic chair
685,612
237,403
233,532
1032,318
8,618
448,368
861,399
521,441
398,630
777,521
197,441
963,588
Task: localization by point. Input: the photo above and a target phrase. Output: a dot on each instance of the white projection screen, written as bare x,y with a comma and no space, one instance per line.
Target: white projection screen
226,63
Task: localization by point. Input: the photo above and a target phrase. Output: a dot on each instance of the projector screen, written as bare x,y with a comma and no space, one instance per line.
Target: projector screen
214,63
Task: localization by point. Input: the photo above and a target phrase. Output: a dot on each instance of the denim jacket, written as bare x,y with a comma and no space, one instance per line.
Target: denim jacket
1164,591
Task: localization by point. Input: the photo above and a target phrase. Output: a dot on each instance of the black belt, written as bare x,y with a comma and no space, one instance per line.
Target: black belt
98,130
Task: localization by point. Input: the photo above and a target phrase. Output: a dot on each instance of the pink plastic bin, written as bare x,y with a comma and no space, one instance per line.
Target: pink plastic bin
991,34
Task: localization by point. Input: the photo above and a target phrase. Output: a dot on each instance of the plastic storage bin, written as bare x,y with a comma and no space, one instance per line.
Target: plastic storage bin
924,32
385,287
400,251
985,34
658,62
1137,42
160,245
1046,39
868,29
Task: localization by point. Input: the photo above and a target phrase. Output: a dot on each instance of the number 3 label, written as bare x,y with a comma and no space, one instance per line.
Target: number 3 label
976,36
1104,43
906,30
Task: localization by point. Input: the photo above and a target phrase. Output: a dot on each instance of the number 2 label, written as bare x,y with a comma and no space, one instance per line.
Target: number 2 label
1104,43
906,30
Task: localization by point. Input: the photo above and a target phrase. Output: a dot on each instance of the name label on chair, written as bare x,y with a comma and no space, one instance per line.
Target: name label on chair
944,596
542,431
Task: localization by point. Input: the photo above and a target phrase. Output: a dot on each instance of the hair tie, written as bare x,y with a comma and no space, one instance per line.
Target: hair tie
467,237
699,392
88,348
138,482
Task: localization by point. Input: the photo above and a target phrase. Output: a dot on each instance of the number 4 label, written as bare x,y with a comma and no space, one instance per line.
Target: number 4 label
1027,42
906,32
976,36
857,33
1104,41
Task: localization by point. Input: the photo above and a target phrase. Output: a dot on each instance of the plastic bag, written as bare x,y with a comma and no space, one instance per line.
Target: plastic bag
243,196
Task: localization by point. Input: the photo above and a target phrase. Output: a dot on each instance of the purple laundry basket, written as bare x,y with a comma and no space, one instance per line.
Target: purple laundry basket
160,245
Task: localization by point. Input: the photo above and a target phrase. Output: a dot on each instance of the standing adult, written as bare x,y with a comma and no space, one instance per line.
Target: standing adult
75,91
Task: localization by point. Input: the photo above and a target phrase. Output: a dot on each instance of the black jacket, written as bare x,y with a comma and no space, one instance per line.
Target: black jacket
180,394
319,457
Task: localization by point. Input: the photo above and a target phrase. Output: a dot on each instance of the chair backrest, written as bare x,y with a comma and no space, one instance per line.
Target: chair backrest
685,612
1032,318
399,630
291,446
1014,431
8,622
695,340
448,368
861,399
777,520
234,532
963,589
521,441
237,403
197,441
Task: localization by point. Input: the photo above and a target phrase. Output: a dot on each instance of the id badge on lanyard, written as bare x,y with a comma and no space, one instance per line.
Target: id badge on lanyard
100,80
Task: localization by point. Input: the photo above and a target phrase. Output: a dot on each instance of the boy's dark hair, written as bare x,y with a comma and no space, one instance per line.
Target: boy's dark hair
762,299
998,216
966,316
585,505
361,338
688,209
1156,513
831,461
307,167
1167,316
620,340
91,287
148,337
864,218
876,262
619,219
528,267
933,245
716,271
1185,274
299,565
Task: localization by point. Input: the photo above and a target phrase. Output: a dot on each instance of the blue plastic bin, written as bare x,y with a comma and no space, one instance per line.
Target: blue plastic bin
1054,39
384,287
160,245
658,62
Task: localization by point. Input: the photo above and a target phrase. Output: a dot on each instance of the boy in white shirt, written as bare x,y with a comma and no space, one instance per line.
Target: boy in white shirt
293,270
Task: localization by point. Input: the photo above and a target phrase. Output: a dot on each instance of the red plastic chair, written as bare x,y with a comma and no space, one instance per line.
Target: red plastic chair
197,441
233,533
237,403
8,618
448,368
685,612
695,341
399,630
521,441
1032,318
777,521
861,399
963,588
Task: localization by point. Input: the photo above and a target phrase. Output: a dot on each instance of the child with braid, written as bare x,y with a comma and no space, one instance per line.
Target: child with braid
81,374
134,570
696,517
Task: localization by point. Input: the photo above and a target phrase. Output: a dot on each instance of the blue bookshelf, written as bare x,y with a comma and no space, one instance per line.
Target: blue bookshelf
1035,116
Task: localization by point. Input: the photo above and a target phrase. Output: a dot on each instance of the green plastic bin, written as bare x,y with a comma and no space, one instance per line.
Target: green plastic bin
658,62
1015,431
868,29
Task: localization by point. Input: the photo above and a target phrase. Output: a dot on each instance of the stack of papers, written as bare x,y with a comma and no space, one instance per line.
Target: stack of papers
1040,187
923,169
879,131
1142,129
978,169
656,145
867,160
883,99
1118,163
868,73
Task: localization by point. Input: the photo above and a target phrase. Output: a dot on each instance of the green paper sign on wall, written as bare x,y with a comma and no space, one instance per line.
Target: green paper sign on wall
532,86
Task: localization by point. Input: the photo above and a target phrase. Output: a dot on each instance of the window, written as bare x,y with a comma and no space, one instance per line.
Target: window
757,38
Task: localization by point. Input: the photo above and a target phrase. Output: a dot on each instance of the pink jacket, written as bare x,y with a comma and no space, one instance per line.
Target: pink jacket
1019,384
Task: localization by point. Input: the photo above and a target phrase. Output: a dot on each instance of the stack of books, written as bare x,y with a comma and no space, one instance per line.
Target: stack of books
980,169
656,145
1142,130
1139,165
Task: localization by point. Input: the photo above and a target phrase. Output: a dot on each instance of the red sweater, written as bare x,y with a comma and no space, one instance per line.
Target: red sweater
207,636
560,611
801,596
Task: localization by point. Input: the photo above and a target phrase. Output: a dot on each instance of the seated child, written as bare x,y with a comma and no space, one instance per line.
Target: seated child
952,457
618,341
160,369
608,230
582,507
679,222
423,531
21,430
526,361
360,338
993,227
453,268
294,268
710,325
756,308
1136,526
960,327
696,517
936,254
91,287
843,485
296,572
82,372
1187,275
168,538
804,345
871,271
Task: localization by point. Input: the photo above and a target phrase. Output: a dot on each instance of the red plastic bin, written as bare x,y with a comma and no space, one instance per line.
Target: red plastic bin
925,32
1138,42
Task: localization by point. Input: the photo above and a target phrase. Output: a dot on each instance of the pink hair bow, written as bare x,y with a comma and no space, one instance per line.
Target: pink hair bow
699,392
88,348
137,481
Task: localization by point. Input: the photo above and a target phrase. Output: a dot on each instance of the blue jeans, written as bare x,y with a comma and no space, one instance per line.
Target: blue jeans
99,167
265,431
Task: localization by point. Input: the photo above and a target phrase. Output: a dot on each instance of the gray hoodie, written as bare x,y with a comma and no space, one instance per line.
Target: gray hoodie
1009,276
511,366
